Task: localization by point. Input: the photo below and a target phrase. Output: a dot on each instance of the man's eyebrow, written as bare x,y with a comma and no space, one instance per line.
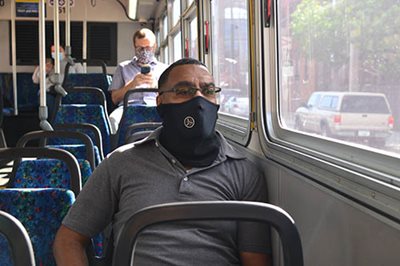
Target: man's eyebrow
184,83
207,84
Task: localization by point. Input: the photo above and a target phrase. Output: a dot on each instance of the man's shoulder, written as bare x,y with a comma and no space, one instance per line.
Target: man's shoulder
130,149
125,63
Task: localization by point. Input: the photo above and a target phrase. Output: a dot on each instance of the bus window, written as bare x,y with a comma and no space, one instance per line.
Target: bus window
231,55
177,44
176,11
343,56
193,42
165,27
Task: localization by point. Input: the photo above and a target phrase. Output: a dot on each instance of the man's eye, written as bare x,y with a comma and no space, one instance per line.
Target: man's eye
182,91
208,91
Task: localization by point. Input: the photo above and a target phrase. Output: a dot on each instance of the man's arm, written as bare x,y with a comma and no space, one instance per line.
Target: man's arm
255,259
70,247
35,76
117,96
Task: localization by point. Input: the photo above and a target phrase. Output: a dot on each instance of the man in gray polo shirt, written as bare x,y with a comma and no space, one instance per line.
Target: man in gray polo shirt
128,74
185,160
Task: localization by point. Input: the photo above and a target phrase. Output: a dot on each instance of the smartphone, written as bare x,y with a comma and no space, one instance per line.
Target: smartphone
145,69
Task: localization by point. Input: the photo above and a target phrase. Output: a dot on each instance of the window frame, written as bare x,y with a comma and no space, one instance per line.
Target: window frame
364,174
235,128
187,17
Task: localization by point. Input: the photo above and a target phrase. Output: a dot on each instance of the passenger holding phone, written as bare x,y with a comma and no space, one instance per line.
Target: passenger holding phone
142,71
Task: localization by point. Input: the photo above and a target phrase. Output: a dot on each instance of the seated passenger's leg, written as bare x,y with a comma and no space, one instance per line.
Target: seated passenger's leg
115,118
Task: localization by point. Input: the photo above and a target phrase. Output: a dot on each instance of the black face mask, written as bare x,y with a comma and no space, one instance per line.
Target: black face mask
188,131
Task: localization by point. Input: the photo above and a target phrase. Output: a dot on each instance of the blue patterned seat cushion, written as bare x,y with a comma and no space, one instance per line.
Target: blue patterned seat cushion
79,151
41,212
27,99
47,173
5,252
81,97
136,114
98,80
86,113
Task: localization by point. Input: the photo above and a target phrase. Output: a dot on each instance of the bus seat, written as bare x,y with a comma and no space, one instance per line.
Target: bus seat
15,244
210,210
27,98
85,128
46,173
83,95
79,151
99,80
135,113
41,212
84,149
86,113
139,131
43,172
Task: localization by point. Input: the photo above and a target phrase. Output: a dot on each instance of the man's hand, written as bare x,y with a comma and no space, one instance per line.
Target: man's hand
117,96
141,79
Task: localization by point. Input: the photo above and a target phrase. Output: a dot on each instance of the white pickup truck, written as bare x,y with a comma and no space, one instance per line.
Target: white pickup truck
354,116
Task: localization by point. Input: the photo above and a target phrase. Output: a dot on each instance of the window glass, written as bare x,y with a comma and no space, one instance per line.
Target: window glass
193,45
165,28
177,46
165,54
345,54
176,11
158,40
189,2
231,62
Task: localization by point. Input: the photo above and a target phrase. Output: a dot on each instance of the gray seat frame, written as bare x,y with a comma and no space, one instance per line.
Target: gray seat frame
210,210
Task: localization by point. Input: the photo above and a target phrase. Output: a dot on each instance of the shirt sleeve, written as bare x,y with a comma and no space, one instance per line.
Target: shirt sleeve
36,76
254,236
78,68
118,80
95,205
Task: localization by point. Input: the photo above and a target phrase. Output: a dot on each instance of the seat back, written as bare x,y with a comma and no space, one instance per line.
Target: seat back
63,172
135,113
98,80
210,210
83,95
139,131
41,212
84,151
86,113
88,129
15,244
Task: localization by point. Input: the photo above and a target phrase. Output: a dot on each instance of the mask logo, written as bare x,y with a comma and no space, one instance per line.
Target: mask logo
189,122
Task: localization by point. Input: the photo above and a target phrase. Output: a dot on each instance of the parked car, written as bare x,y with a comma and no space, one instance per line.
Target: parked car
355,116
237,106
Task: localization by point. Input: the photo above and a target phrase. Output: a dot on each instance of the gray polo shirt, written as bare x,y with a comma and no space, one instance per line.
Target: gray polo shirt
127,70
143,174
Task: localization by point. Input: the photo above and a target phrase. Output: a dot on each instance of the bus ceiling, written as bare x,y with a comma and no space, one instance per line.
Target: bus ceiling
140,10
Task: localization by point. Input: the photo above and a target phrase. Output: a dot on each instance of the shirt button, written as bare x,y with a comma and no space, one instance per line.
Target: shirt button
185,179
173,161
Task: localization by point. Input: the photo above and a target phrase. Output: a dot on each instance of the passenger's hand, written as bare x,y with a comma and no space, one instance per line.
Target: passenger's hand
142,79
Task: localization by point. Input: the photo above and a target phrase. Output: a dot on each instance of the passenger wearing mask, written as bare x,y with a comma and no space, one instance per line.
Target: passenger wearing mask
50,74
184,160
128,74
50,77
